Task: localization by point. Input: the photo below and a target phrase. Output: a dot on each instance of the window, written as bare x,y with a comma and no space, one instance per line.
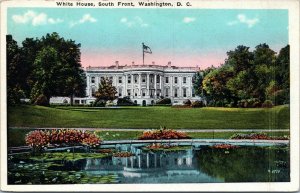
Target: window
135,79
129,79
175,80
167,79
144,92
111,78
93,91
167,92
77,102
157,79
175,92
184,80
120,92
83,101
151,79
128,92
184,92
193,93
120,79
93,80
143,78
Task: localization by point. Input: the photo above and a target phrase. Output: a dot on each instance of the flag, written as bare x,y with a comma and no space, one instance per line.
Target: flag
146,49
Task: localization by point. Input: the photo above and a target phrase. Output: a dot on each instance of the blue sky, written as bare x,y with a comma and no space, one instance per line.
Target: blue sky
187,37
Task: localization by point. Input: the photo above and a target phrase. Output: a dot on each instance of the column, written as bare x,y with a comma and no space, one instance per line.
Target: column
132,94
140,161
148,161
160,85
155,160
88,89
140,85
190,86
155,79
148,85
180,93
171,86
131,161
124,85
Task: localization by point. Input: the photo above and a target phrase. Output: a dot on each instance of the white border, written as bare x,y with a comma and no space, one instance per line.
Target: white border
293,8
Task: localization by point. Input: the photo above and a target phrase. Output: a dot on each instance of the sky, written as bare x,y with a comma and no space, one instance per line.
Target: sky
186,37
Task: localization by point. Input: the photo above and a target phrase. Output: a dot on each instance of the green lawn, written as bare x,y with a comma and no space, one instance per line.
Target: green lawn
149,117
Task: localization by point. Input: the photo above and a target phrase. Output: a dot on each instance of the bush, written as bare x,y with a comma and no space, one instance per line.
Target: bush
125,102
41,100
267,104
39,138
163,133
98,104
187,102
164,101
197,104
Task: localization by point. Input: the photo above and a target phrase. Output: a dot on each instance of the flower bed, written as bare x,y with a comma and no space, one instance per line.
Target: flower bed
60,137
224,146
258,136
163,134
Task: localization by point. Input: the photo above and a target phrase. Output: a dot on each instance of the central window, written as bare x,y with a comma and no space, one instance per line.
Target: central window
120,79
167,79
184,80
175,80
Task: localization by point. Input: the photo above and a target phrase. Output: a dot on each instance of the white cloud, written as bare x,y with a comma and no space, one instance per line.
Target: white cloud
241,18
85,18
188,19
136,21
35,18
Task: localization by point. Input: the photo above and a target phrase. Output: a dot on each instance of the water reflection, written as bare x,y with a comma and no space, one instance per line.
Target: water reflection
152,167
247,164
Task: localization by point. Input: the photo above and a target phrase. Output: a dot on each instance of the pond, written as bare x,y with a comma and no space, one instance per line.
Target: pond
134,163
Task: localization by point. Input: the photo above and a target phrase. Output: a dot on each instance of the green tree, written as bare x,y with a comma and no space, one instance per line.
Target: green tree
47,67
198,81
214,84
106,91
14,70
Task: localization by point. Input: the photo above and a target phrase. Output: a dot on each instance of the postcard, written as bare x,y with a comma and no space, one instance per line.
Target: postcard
146,95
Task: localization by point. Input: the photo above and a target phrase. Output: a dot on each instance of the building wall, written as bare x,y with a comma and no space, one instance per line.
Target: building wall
145,83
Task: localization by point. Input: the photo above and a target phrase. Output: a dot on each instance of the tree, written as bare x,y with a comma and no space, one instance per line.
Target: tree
47,67
214,85
198,80
14,70
106,90
57,70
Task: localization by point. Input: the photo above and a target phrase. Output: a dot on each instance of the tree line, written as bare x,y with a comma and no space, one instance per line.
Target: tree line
247,78
42,68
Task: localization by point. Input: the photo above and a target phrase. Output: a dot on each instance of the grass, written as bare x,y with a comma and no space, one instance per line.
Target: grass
149,117
16,137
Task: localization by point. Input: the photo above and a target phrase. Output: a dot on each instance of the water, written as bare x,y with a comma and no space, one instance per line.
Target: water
188,164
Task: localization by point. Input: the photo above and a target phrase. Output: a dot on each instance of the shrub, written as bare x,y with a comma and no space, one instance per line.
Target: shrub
187,102
163,133
97,104
41,100
125,102
38,139
267,104
262,136
197,104
164,101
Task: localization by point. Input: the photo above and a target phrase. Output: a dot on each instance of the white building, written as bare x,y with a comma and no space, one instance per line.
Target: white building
144,84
